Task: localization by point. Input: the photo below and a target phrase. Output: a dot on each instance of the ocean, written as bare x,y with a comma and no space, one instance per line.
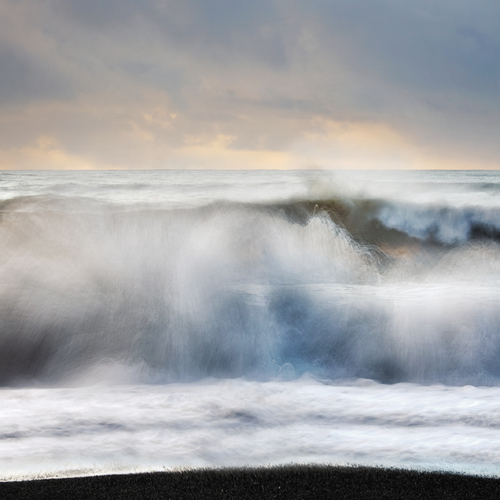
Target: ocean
160,320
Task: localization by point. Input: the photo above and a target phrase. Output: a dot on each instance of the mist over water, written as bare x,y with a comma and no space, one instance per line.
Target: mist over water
224,302
337,287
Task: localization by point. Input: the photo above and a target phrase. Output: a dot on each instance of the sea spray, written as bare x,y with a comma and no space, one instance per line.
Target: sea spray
165,290
153,320
231,290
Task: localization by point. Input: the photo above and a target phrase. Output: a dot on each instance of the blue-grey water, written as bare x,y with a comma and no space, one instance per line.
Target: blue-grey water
169,319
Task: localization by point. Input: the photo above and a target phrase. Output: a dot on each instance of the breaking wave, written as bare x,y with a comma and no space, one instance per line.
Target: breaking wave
339,288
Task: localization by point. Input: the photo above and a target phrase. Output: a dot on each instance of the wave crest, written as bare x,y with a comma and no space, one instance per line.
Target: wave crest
234,290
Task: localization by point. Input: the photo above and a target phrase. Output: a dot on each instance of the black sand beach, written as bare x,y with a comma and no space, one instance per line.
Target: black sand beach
289,482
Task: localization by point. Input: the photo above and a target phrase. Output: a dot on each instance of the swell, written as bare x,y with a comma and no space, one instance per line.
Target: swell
235,290
369,221
384,223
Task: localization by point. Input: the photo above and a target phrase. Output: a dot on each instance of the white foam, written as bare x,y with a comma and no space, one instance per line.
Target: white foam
60,432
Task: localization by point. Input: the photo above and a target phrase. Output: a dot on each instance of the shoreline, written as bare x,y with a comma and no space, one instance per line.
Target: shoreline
287,482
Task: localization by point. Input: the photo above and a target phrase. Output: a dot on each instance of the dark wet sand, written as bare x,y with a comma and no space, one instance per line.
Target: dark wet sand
291,482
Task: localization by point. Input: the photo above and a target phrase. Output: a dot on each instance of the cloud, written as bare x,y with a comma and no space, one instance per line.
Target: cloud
23,79
145,82
45,154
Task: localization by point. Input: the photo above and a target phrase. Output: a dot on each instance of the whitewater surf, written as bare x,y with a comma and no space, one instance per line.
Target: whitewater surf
173,319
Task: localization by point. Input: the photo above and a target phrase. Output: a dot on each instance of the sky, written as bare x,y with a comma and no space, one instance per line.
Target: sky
228,84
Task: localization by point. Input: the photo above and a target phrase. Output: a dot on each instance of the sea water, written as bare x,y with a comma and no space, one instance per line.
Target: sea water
155,320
